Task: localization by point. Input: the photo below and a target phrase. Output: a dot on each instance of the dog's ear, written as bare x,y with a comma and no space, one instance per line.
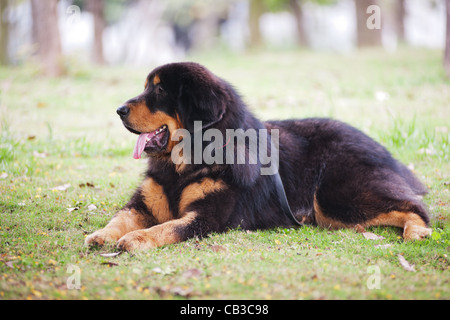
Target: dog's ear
200,102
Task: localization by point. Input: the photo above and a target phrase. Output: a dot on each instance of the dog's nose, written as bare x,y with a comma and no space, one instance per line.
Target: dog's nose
123,111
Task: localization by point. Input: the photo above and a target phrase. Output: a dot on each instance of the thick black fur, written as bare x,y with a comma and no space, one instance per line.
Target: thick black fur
352,177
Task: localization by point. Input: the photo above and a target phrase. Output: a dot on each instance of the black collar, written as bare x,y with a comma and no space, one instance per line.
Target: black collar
283,199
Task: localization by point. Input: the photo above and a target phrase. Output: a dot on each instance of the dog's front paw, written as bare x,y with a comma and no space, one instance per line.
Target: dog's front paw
101,237
135,240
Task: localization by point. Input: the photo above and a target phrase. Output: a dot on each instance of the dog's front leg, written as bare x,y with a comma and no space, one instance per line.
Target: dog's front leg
126,220
201,211
173,231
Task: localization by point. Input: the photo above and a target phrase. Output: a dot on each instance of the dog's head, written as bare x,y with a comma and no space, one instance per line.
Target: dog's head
175,96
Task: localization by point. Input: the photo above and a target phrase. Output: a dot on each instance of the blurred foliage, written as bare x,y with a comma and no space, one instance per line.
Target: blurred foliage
278,5
113,8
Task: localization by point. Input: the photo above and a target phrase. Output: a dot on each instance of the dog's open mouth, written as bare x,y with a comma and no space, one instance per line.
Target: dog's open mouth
151,141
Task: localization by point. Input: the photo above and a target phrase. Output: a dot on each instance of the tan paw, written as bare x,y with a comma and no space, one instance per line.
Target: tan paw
415,232
135,240
100,237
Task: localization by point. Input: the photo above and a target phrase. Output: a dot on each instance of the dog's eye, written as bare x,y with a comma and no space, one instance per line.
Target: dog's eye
159,90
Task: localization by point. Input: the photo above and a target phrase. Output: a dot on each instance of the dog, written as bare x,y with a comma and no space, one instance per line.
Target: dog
329,174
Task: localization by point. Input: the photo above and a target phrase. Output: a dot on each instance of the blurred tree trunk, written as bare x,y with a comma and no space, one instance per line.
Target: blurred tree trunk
256,11
4,33
296,6
366,37
46,35
400,14
96,7
447,41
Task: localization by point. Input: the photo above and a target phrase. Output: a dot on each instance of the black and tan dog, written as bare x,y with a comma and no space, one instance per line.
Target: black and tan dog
334,176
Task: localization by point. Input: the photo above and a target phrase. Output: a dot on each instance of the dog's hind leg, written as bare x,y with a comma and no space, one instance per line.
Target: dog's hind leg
414,225
414,228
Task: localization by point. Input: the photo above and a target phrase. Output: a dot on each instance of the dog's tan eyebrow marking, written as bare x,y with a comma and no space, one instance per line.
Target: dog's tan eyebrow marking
156,80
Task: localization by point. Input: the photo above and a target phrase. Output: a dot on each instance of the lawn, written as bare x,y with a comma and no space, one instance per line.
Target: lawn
66,167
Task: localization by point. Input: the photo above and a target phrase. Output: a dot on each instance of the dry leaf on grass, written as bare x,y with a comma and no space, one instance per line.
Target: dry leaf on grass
63,187
87,184
110,255
372,236
182,291
405,264
165,271
40,154
192,273
218,248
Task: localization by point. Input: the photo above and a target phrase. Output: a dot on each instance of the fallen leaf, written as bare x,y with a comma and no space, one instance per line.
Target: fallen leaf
405,264
87,184
192,273
63,187
73,209
41,104
372,236
110,255
92,207
157,270
40,154
51,262
182,292
164,272
4,175
218,248
36,293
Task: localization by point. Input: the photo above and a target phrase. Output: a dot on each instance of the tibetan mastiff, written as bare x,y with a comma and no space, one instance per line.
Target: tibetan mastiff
330,174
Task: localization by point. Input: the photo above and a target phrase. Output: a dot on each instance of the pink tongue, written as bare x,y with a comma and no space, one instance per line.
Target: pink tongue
140,144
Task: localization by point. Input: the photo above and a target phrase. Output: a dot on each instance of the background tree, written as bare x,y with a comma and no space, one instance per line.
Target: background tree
46,35
400,13
257,9
297,11
366,37
4,33
296,8
96,7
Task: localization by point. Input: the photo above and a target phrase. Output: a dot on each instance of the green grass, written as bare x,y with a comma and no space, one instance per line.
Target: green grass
63,131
